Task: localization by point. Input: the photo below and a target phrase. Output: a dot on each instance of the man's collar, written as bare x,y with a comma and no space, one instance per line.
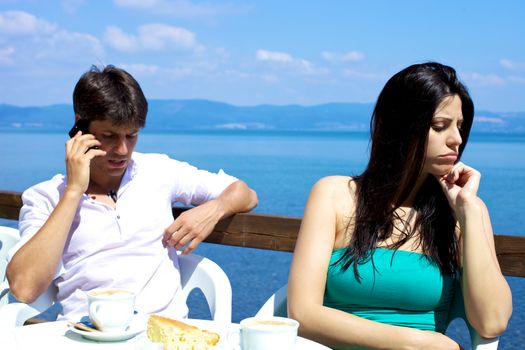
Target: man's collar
131,170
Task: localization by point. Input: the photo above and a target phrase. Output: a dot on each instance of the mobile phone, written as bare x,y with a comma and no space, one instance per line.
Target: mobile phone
80,125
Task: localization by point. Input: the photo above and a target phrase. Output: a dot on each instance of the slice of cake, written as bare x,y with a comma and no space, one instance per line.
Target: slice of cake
176,335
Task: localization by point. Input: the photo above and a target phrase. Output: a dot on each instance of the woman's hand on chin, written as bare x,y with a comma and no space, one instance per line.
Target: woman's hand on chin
460,186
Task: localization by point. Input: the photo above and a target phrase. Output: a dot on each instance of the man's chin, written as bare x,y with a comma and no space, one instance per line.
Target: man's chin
115,172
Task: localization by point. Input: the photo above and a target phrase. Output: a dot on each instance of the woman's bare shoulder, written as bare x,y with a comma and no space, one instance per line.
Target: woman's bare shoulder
340,190
336,182
342,185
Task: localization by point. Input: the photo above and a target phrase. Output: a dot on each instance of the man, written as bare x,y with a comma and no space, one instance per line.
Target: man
108,223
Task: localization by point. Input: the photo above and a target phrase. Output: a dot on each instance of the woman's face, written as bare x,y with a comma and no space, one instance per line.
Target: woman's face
444,137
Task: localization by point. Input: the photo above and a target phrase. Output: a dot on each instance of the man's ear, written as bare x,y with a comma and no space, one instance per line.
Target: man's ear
77,117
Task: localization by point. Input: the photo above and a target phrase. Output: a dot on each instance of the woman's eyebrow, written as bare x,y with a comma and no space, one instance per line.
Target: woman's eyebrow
444,116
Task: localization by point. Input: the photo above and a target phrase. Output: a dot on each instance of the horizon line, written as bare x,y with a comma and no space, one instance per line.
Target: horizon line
243,106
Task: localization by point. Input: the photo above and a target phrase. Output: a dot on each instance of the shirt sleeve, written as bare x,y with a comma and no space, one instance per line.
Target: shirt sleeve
36,209
193,186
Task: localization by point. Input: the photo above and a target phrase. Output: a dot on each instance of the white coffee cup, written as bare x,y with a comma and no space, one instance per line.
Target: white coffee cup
111,309
276,333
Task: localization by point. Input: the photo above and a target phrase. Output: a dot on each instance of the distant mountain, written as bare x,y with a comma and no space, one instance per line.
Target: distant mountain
175,115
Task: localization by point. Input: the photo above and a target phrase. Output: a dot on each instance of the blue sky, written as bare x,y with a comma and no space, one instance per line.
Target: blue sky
261,52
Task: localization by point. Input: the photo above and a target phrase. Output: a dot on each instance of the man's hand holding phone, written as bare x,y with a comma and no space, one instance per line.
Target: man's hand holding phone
80,150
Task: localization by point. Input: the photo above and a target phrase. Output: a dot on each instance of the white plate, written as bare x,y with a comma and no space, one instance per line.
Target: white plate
137,326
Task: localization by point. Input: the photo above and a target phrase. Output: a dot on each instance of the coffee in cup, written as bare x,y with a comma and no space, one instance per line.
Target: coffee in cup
279,333
111,309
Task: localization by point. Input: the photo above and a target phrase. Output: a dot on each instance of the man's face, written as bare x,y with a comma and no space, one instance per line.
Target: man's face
118,141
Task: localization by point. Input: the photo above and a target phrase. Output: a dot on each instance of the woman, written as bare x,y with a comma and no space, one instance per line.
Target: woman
378,255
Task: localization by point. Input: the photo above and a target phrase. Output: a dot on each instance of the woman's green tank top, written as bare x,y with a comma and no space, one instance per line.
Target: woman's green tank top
399,288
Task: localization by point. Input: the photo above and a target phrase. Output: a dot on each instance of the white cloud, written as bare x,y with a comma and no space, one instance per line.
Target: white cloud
516,79
72,6
352,73
511,65
68,45
180,72
351,56
234,74
23,23
483,79
264,55
270,78
307,66
116,38
137,3
6,55
154,36
33,41
287,60
157,36
493,80
140,69
147,70
180,8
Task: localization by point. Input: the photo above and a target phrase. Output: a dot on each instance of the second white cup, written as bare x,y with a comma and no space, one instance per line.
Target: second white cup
276,333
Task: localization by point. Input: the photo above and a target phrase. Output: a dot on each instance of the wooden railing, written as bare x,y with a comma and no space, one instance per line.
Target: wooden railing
280,232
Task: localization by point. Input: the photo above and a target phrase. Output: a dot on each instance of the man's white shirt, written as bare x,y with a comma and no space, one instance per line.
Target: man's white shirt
122,247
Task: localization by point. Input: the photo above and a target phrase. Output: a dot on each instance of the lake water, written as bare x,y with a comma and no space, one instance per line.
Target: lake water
282,167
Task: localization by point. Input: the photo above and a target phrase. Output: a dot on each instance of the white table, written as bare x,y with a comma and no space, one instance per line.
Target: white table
57,336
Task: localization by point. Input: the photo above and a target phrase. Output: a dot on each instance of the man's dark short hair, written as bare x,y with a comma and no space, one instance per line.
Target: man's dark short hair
110,94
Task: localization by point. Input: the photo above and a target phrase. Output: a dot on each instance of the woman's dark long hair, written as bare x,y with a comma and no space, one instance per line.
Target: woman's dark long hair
400,125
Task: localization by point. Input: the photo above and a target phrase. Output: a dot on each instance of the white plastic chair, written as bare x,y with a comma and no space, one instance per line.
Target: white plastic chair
196,272
276,305
8,238
202,273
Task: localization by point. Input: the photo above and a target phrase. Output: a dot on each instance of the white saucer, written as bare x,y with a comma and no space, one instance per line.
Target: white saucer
137,325
108,336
